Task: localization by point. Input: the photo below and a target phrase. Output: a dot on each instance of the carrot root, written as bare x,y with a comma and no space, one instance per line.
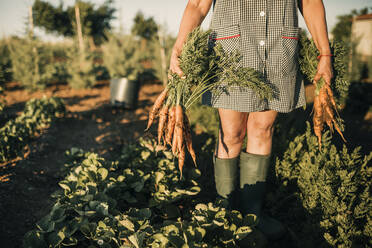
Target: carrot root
156,107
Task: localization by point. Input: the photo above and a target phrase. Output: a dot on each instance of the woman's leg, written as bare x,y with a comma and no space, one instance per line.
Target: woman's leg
233,126
254,165
260,128
231,135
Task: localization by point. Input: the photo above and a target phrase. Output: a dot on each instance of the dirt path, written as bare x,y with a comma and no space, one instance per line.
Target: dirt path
91,124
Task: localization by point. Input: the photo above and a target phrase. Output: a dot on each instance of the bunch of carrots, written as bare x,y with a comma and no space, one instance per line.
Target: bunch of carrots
206,68
325,109
173,127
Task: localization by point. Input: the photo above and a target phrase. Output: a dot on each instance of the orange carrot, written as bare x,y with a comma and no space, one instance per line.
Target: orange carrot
162,121
170,126
188,138
318,120
157,105
179,126
181,158
174,142
331,98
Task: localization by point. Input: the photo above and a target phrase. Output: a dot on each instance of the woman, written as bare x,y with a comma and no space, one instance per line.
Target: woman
265,32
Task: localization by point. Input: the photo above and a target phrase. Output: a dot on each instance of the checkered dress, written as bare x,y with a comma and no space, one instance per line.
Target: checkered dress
266,34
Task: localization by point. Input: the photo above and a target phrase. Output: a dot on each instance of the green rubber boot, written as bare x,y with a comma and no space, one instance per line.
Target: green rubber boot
253,172
225,176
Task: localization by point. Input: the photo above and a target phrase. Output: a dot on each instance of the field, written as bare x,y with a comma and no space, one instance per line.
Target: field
76,171
92,124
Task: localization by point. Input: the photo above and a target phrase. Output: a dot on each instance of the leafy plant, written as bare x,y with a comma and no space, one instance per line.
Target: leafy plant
5,63
157,46
37,115
61,20
2,100
31,63
81,69
333,186
122,57
136,201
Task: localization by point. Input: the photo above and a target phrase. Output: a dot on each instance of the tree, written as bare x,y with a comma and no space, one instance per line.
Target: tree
60,20
144,28
342,29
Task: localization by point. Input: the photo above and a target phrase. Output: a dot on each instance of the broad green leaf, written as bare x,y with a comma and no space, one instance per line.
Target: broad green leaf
137,186
172,211
34,239
160,237
127,224
145,213
102,208
242,232
177,241
159,176
64,185
69,241
201,207
46,224
193,190
133,239
250,220
57,214
55,238
103,172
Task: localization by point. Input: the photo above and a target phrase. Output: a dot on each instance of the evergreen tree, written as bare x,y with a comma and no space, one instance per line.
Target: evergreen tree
61,21
145,28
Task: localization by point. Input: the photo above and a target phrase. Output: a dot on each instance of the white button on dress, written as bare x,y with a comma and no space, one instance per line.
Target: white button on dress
262,13
262,43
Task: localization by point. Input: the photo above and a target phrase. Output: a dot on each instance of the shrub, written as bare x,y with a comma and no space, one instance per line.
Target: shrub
122,57
31,63
81,69
37,115
332,186
5,63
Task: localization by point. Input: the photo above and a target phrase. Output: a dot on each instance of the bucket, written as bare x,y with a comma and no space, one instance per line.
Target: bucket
124,93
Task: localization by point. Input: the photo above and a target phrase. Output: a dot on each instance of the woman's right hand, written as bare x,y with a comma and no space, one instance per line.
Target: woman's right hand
194,14
175,63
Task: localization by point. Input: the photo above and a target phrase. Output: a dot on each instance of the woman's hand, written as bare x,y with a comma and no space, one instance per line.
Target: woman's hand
194,14
314,14
174,65
324,70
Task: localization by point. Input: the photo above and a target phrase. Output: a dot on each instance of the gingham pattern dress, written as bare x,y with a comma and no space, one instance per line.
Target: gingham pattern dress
266,33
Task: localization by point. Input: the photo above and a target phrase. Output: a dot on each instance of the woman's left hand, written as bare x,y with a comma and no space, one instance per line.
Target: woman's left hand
324,70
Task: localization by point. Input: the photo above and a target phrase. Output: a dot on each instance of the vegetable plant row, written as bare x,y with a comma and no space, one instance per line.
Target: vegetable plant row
37,115
136,201
327,192
139,200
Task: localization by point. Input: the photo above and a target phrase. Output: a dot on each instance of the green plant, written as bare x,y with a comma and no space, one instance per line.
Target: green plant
37,115
157,46
2,100
135,201
5,63
31,63
122,57
332,186
61,20
81,69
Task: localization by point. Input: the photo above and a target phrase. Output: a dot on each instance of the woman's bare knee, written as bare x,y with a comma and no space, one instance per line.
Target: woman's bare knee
260,125
232,137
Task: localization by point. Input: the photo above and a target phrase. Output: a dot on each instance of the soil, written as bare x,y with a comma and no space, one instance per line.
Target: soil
91,123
